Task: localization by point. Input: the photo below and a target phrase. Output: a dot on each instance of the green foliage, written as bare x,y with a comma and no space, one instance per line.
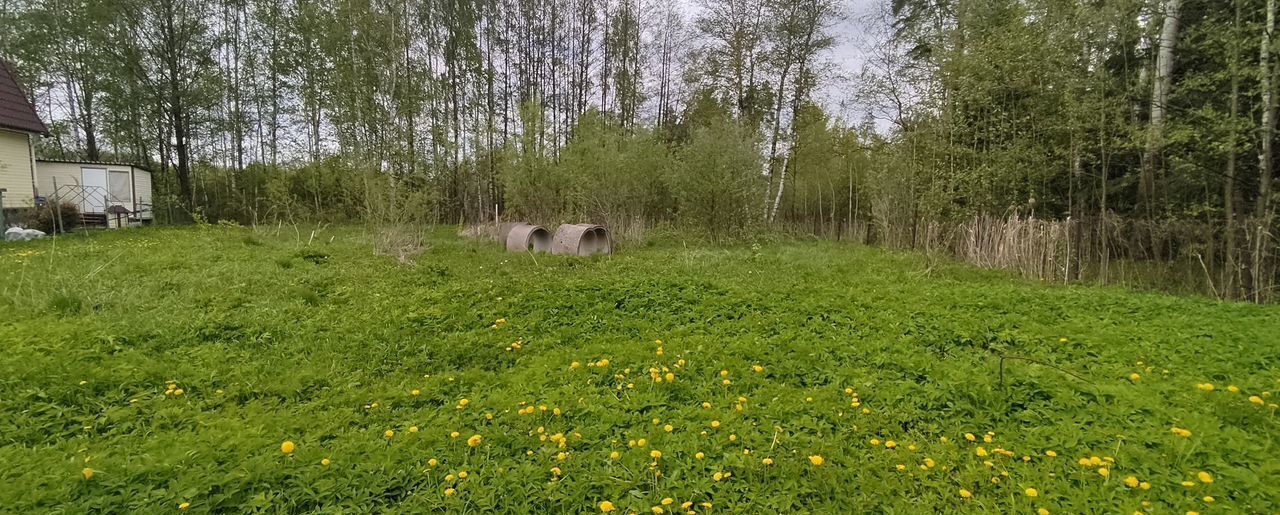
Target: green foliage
718,181
326,353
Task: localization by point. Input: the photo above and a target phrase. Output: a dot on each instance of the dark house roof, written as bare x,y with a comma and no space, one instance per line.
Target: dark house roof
16,112
87,162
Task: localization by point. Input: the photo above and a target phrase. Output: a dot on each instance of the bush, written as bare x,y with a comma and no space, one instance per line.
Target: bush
47,217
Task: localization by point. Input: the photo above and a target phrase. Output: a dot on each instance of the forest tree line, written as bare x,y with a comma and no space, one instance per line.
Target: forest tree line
1067,139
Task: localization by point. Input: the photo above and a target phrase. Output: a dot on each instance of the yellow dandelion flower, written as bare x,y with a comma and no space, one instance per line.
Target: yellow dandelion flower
287,447
1104,472
475,440
655,454
1031,492
1042,511
448,492
413,429
388,433
1256,400
1233,388
1144,485
1134,376
1131,482
433,462
767,461
642,442
715,423
817,460
757,368
606,506
668,428
699,455
965,493
667,501
325,462
614,455
889,444
415,392
1051,454
970,437
1204,477
87,473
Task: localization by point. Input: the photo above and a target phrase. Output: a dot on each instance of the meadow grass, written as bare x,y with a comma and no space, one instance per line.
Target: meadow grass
157,370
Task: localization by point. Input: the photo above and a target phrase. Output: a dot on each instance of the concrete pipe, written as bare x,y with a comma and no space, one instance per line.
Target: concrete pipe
528,238
582,240
504,230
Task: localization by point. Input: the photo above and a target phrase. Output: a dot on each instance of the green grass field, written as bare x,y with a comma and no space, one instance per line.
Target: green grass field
156,370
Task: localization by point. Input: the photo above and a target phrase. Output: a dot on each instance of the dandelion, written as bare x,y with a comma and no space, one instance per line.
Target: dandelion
1131,482
413,429
1134,376
474,441
655,454
1144,485
1031,492
982,451
448,492
389,433
970,437
889,444
1051,454
1180,432
1042,511
325,462
433,462
699,455
1209,498
715,423
1104,472
656,510
1204,477
1188,484
706,405
642,442
287,447
415,392
614,455
575,365
606,506
1256,400
757,368
87,473
1233,388
817,460
767,461
965,493
454,434
555,471
733,438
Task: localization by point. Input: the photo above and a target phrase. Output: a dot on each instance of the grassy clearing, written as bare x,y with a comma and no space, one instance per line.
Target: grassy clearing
783,351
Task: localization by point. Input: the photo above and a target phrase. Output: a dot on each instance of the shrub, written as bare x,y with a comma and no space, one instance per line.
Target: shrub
52,218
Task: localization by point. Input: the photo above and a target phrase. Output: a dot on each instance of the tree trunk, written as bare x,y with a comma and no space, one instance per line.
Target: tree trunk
1159,97
1266,134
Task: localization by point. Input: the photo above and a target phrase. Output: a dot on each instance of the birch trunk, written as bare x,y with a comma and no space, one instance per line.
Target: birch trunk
1159,97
